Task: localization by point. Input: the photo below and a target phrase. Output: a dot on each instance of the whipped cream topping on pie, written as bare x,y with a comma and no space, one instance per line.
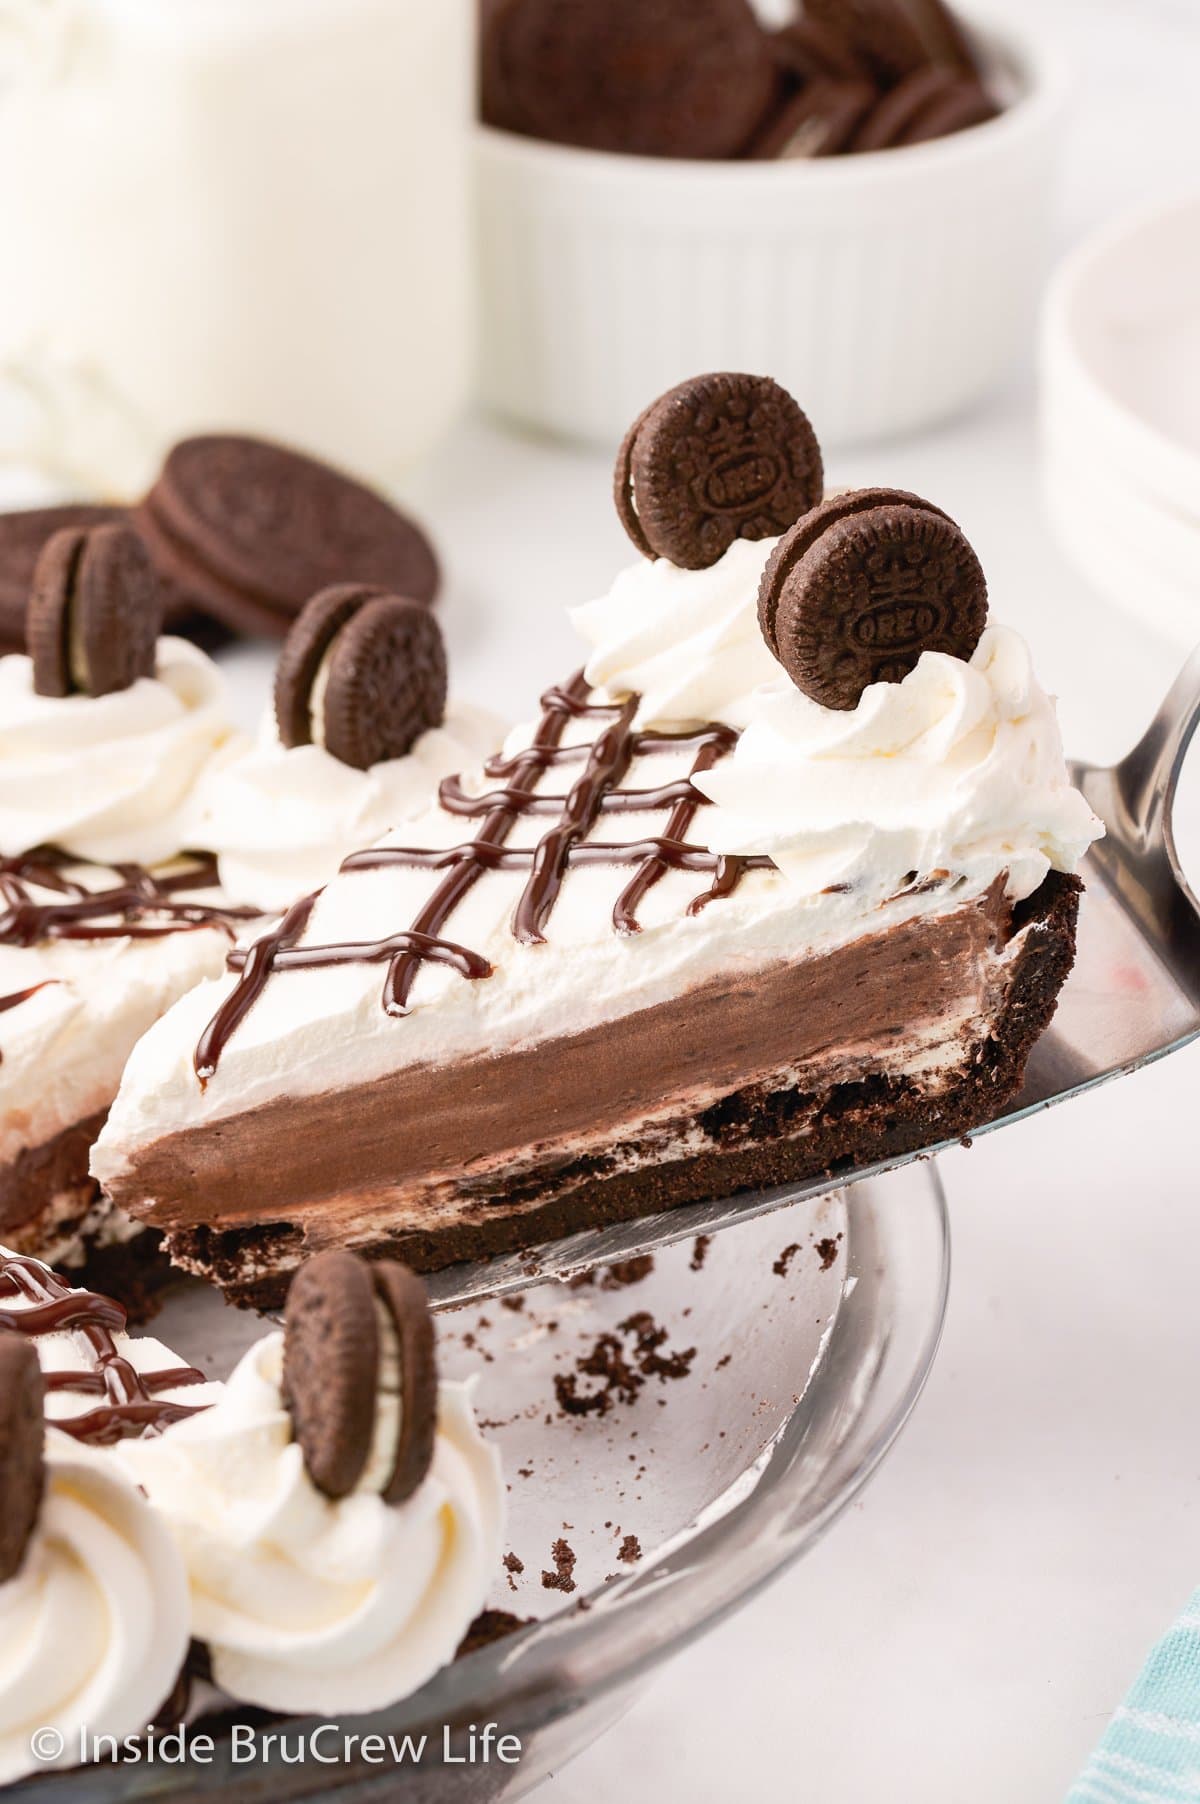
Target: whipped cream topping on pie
281,819
111,778
957,768
687,642
306,1604
95,1626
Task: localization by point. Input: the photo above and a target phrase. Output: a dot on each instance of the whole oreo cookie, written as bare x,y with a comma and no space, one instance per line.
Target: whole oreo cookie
897,112
23,535
821,119
382,664
667,78
246,531
94,614
880,33
22,1438
360,1375
862,586
965,103
719,458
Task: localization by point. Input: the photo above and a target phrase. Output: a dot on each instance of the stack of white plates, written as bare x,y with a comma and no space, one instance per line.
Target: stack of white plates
1121,415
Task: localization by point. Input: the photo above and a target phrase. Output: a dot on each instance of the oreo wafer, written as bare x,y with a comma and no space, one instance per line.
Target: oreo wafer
362,673
862,586
94,614
246,531
719,458
669,78
360,1375
22,1439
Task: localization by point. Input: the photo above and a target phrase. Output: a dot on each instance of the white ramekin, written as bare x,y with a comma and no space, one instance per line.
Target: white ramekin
887,291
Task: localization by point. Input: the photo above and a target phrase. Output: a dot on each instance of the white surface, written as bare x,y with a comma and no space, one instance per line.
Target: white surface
962,1635
1120,405
888,290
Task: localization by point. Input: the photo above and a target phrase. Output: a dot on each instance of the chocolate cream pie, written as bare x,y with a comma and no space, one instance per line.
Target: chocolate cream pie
107,911
781,881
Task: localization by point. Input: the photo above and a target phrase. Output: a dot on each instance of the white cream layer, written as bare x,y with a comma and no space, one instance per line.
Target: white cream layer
114,777
309,1605
281,820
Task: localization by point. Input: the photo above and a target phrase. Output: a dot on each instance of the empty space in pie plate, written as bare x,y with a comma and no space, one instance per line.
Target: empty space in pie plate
673,1436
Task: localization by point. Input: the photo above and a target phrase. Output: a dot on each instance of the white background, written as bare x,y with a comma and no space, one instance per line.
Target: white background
964,1632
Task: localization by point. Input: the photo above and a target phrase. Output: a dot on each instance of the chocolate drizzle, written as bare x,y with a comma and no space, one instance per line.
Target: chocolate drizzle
141,905
597,791
132,1401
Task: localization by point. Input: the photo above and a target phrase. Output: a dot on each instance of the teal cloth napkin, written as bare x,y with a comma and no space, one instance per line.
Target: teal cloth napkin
1150,1753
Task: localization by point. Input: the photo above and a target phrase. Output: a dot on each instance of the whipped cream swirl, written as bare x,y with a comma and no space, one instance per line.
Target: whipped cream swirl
686,641
307,1604
282,819
111,778
959,768
95,1626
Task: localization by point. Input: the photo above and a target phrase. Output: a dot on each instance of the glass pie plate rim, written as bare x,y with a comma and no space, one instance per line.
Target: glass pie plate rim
558,1683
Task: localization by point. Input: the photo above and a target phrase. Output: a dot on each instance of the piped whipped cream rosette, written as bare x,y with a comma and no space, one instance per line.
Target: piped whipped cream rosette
338,1512
359,739
95,1616
109,909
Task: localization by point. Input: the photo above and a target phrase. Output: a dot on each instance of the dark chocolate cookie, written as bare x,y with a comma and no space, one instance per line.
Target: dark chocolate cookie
719,458
820,120
667,78
95,612
409,1330
247,531
897,111
813,52
22,1437
960,106
384,665
22,537
331,1368
945,36
881,33
861,587
359,1359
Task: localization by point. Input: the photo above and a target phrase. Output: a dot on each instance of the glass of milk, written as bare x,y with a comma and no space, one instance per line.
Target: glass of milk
231,214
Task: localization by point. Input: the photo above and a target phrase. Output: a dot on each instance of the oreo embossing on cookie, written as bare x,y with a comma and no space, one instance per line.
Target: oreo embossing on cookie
719,458
862,586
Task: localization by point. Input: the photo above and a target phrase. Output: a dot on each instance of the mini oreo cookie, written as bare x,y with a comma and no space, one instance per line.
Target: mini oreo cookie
898,111
94,614
862,586
23,536
383,663
360,1359
669,78
246,531
881,33
22,1438
722,457
820,120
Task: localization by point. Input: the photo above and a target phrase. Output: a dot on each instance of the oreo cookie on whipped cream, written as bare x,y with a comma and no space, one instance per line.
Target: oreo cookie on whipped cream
692,929
360,737
110,907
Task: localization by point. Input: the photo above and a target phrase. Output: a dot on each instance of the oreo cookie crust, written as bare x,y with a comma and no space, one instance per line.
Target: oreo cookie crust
860,588
360,1375
22,1435
247,531
662,78
719,458
95,612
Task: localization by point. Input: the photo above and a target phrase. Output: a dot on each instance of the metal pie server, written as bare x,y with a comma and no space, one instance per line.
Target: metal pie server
1133,997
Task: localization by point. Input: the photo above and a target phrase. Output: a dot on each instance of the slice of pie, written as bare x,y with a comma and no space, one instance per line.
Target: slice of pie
702,926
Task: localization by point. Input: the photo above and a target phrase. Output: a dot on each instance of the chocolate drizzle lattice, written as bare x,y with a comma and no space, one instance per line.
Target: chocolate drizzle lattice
141,905
129,1402
596,792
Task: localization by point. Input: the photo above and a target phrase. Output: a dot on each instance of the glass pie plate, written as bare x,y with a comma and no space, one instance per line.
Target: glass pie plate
672,1439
